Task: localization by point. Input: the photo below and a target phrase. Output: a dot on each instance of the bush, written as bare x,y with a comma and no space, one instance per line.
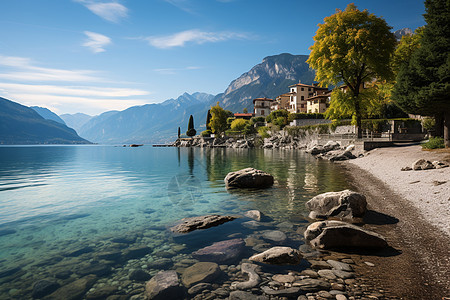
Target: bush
280,121
238,124
262,131
276,114
428,123
249,129
206,133
434,143
257,120
296,116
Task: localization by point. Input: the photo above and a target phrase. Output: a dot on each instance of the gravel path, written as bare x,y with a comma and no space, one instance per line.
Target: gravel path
427,190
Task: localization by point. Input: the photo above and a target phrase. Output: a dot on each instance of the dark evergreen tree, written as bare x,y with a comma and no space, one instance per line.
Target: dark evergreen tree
179,132
423,84
208,119
191,131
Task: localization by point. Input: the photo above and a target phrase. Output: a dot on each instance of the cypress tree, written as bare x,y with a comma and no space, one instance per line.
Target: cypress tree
423,84
191,130
208,119
179,132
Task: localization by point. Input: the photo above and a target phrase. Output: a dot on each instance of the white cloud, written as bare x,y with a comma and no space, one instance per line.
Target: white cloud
25,70
192,36
111,11
63,91
96,41
185,5
172,71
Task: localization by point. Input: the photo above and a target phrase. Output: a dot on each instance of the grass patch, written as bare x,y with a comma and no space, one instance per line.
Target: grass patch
434,143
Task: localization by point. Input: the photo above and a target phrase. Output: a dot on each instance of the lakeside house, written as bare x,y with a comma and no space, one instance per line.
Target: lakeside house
300,94
319,102
281,102
261,106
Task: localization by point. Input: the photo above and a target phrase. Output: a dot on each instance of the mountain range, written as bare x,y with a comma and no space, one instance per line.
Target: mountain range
158,123
20,124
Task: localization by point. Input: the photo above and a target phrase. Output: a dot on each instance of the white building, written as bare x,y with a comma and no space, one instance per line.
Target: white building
261,106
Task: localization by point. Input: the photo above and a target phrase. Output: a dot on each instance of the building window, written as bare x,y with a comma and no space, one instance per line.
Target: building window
302,105
262,104
302,89
303,98
309,89
262,112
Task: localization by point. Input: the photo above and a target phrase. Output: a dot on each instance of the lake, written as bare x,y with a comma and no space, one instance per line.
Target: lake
64,208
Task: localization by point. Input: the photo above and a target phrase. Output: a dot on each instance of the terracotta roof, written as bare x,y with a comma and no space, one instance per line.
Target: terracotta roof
243,115
262,99
301,84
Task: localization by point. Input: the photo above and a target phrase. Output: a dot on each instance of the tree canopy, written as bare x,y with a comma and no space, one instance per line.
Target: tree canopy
352,47
219,118
423,84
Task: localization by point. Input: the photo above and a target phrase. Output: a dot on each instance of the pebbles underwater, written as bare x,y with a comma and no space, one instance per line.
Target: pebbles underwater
119,267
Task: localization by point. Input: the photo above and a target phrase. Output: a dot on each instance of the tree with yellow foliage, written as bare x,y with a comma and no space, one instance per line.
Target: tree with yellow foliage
353,48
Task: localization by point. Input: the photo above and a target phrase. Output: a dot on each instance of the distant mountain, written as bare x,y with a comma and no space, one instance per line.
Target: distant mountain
158,123
22,125
47,114
401,32
149,123
270,78
75,121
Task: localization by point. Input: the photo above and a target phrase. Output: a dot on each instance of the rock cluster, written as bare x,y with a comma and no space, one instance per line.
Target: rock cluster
423,164
202,222
331,151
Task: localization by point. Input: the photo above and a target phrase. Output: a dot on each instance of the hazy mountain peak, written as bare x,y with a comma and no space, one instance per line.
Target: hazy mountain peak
47,114
401,32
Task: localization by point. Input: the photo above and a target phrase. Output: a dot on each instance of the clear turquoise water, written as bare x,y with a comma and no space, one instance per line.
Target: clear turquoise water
58,197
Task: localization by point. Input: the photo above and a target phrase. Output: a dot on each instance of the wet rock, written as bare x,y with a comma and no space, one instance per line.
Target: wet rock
198,288
110,255
164,285
254,214
340,297
422,164
339,265
127,239
7,231
74,290
221,292
64,274
202,222
44,287
221,252
274,235
325,294
139,275
312,285
9,272
95,269
328,274
278,256
343,274
319,265
249,178
253,278
336,234
283,278
289,292
343,204
162,263
251,224
241,295
79,252
200,272
101,293
309,273
136,252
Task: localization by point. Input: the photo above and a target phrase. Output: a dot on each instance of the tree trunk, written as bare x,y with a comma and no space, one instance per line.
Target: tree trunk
358,116
447,129
439,127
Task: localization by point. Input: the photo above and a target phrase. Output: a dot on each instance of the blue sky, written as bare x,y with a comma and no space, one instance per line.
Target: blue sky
91,56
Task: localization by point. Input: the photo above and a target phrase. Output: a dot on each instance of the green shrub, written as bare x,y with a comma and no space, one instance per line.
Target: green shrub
206,133
249,129
262,131
428,123
238,124
255,120
434,143
276,114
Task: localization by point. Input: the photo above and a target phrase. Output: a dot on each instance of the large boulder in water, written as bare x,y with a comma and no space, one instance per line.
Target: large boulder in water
202,222
200,272
337,234
164,285
249,178
278,256
343,204
221,252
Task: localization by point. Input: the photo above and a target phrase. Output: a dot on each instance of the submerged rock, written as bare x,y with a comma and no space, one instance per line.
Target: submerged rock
74,290
336,234
274,235
254,214
249,178
202,222
44,287
343,204
241,295
221,252
200,272
278,256
164,285
253,278
312,285
139,275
